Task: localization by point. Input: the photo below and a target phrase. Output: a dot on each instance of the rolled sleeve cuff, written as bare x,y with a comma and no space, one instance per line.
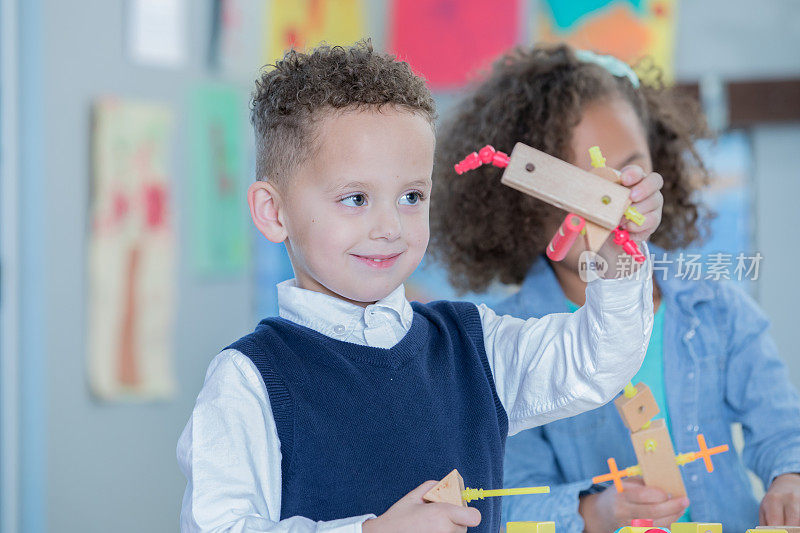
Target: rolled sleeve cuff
785,468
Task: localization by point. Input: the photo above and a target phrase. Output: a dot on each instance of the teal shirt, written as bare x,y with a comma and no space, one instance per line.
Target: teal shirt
652,373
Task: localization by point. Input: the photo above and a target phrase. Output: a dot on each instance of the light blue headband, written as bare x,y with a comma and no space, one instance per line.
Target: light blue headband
615,66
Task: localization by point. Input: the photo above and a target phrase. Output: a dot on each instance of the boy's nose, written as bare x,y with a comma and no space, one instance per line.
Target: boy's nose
386,225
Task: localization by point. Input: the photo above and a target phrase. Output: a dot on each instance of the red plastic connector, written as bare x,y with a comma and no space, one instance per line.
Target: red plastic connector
564,238
487,155
623,238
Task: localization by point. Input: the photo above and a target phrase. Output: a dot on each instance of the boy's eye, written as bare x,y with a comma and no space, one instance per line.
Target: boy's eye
411,198
354,200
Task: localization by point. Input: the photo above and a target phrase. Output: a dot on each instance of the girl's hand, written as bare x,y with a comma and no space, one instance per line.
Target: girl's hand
609,510
646,198
781,504
411,513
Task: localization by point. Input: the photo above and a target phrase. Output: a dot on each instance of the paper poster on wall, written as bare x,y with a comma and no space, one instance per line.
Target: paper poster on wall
131,266
447,41
236,35
156,32
216,182
628,29
302,24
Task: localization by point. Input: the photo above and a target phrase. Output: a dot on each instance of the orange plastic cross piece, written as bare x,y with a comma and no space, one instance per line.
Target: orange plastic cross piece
617,475
706,452
614,474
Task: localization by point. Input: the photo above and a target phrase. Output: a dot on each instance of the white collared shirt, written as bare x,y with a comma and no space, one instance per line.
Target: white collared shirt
544,369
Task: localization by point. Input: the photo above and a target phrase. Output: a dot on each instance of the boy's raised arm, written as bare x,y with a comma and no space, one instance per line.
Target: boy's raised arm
564,364
230,455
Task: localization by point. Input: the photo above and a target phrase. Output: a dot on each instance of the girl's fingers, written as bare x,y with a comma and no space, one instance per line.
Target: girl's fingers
673,506
647,187
773,512
649,225
651,203
631,175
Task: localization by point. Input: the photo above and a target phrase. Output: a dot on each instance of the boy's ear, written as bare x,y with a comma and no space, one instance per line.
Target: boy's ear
266,210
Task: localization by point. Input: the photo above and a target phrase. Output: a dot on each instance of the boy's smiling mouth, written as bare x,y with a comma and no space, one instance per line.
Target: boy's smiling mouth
378,260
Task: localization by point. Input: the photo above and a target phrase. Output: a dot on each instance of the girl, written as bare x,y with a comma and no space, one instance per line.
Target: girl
710,361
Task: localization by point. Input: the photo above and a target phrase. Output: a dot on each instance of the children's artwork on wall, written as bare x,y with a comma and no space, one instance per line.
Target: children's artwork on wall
234,46
627,29
157,32
301,24
131,265
447,41
216,182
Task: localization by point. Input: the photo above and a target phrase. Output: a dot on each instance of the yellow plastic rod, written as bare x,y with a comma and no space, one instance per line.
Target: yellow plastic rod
478,494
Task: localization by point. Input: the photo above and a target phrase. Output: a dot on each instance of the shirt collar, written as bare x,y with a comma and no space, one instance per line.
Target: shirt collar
329,314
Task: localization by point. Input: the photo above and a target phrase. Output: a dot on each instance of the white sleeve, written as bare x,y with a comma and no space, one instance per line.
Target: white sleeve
230,455
567,363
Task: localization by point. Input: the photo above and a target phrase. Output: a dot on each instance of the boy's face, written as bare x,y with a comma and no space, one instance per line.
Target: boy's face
356,213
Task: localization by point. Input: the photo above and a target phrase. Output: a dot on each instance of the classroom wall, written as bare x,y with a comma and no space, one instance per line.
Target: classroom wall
745,40
88,466
105,467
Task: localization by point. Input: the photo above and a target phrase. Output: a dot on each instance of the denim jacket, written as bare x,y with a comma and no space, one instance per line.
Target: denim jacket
720,367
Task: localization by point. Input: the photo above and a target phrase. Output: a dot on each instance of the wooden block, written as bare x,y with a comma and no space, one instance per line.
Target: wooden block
595,236
695,527
607,173
448,490
530,527
566,186
773,529
637,411
656,457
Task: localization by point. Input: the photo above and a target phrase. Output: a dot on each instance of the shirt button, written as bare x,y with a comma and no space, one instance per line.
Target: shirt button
696,429
689,428
694,477
338,329
690,375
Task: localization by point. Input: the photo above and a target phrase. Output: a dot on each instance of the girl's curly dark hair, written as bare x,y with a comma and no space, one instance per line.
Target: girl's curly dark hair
484,231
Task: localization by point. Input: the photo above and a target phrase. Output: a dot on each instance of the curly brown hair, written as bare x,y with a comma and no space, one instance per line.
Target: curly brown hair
297,91
484,231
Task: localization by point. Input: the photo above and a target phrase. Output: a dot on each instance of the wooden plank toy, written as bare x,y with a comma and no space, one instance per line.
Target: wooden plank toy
656,456
566,186
596,198
658,464
637,406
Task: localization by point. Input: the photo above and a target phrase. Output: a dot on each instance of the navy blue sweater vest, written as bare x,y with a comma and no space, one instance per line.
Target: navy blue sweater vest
360,427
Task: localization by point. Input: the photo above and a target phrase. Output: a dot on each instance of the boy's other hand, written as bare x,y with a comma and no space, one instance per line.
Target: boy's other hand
411,513
781,504
646,198
609,510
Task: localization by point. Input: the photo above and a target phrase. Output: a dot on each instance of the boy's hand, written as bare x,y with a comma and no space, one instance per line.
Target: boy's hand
781,504
609,510
411,513
646,198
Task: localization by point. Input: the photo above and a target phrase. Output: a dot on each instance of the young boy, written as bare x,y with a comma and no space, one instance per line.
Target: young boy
327,417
